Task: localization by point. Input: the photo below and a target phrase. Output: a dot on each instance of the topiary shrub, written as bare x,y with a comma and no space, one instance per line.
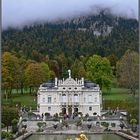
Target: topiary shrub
55,126
80,113
97,123
65,123
4,134
40,124
47,114
110,113
89,126
44,124
55,117
122,126
61,114
105,124
113,124
87,115
14,125
78,123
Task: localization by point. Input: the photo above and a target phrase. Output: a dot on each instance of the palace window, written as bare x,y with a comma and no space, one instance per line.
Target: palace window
75,98
64,98
49,108
84,99
90,108
95,99
89,98
49,99
43,99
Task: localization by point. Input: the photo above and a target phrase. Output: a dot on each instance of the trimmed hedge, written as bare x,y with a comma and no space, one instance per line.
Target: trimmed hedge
105,124
7,135
113,124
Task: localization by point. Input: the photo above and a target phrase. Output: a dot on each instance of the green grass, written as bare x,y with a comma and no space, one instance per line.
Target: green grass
122,98
117,91
25,100
14,91
117,94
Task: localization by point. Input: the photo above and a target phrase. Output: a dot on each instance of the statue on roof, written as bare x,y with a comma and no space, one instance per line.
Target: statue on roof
69,71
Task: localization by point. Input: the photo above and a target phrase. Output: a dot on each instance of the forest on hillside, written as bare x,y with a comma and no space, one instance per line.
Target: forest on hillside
102,34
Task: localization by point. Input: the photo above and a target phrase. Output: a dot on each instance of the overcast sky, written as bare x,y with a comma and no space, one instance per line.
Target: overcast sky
22,12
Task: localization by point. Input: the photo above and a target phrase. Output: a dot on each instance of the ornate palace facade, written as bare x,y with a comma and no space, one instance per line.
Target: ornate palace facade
69,96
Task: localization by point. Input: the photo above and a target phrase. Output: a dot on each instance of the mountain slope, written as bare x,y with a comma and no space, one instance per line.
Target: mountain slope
102,34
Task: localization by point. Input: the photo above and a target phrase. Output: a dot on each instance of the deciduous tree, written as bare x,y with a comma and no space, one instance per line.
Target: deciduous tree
46,71
34,76
78,69
10,67
8,114
99,71
127,71
113,60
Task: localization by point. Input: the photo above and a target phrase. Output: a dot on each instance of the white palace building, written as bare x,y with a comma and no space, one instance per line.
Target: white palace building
69,96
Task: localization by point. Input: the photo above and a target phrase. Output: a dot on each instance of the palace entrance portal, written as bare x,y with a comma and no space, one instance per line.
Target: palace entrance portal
69,110
63,110
75,111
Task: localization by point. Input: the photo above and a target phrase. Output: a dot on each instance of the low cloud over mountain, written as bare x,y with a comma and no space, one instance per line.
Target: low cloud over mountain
17,13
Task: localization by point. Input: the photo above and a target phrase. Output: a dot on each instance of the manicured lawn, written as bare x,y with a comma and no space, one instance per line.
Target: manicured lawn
28,100
117,91
15,91
117,94
25,99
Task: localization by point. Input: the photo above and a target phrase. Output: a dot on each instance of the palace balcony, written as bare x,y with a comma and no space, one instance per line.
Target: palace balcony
70,103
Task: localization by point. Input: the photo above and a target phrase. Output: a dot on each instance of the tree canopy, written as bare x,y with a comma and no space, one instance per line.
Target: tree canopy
78,69
99,71
8,114
46,71
34,75
10,67
127,70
